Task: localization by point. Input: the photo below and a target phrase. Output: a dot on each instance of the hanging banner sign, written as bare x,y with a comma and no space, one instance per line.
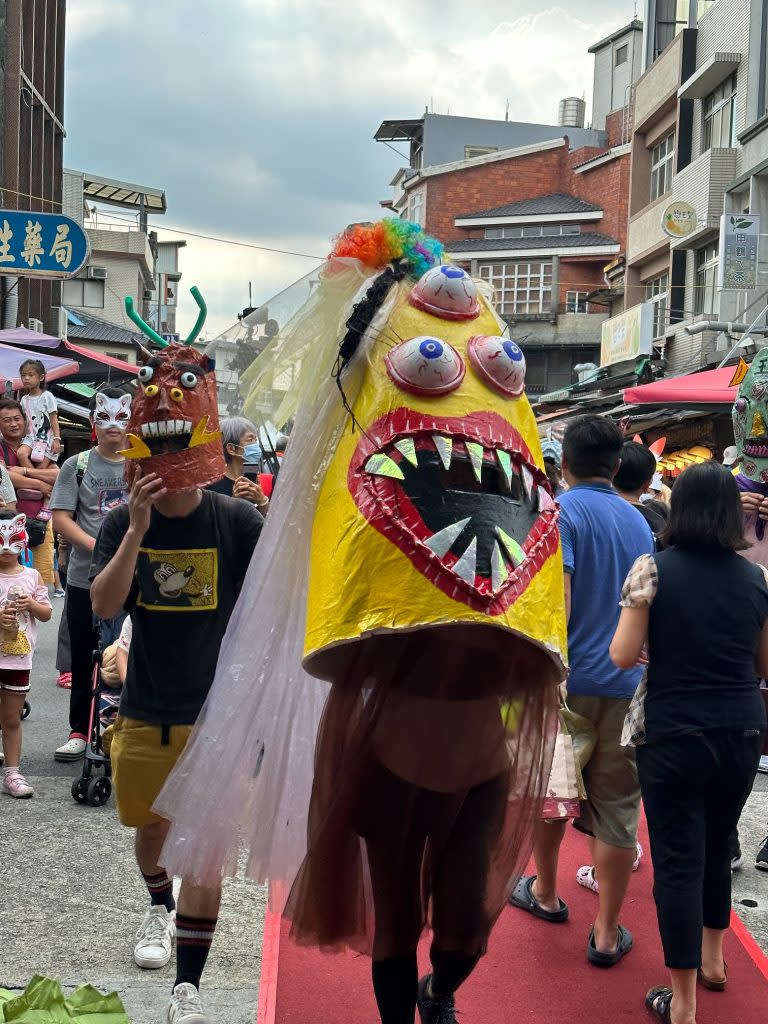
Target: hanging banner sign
739,247
628,335
47,245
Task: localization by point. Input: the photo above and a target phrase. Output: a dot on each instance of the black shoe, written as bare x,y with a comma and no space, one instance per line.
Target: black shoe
434,1011
761,861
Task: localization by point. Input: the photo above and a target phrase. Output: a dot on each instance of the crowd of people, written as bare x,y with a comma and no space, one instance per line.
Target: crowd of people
641,568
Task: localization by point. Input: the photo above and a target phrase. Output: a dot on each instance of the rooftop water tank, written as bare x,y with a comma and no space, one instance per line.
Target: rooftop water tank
572,112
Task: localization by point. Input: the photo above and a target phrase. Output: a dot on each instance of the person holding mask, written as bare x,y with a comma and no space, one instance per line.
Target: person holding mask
241,448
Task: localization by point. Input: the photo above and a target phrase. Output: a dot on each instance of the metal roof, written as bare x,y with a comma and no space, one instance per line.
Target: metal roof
633,26
540,244
123,193
399,130
558,202
83,326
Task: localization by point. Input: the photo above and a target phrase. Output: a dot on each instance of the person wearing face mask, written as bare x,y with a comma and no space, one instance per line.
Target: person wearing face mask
242,453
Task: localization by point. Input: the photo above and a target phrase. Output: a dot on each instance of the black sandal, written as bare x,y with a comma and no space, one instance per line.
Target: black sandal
659,1002
523,897
623,946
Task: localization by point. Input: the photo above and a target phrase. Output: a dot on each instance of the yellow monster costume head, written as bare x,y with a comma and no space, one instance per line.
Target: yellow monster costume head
435,510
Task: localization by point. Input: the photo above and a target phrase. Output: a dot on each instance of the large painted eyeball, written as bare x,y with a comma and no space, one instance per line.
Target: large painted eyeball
448,292
425,366
151,390
499,362
741,405
189,379
145,374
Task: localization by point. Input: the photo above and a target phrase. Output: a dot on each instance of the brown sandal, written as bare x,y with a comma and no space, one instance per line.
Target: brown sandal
709,983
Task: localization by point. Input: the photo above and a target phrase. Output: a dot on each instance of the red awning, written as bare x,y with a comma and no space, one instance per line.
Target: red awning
99,357
711,387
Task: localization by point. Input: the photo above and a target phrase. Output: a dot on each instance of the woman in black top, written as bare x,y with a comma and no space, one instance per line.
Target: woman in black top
702,611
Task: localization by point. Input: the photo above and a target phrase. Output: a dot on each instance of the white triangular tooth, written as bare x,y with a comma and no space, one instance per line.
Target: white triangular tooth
505,462
546,501
466,567
475,452
381,465
442,542
499,571
444,447
407,449
535,497
527,480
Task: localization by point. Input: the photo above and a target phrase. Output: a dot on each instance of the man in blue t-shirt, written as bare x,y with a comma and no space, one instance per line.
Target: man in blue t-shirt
602,535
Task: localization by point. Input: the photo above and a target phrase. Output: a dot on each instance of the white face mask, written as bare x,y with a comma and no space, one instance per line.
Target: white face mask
13,534
111,412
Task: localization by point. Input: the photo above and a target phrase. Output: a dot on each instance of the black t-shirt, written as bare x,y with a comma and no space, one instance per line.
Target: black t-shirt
703,632
188,577
223,486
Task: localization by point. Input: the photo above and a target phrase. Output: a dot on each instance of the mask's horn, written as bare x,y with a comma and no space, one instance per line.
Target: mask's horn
195,293
143,327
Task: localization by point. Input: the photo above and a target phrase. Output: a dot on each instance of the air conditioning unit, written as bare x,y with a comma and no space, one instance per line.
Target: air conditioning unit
96,273
35,325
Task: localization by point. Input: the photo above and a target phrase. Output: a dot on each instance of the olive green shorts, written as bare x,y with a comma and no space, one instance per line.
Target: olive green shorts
612,808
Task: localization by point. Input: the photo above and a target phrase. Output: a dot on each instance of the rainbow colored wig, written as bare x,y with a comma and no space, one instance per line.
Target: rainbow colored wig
390,240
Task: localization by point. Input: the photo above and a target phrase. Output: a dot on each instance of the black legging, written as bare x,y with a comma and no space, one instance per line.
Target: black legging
403,825
694,788
83,639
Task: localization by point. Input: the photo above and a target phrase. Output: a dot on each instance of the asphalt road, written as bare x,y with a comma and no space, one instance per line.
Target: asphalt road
71,895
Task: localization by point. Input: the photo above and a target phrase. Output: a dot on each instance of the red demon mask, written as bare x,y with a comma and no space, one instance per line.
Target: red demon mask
174,426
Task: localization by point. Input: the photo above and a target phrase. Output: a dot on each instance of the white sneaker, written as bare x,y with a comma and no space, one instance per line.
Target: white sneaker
763,766
185,1006
155,938
72,750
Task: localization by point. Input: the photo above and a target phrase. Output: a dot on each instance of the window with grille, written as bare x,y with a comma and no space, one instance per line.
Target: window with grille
576,302
707,297
657,292
415,209
470,152
662,166
719,128
533,231
520,287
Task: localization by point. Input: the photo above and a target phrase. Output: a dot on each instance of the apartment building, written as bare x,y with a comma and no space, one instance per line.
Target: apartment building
700,137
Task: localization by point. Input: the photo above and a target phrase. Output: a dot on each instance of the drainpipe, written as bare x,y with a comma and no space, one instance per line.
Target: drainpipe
9,297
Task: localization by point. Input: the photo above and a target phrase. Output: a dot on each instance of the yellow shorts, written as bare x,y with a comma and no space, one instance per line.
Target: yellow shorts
140,765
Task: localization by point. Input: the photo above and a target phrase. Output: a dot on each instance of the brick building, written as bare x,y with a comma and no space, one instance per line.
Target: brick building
540,223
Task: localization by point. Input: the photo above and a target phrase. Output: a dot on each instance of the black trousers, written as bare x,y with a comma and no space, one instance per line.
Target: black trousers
694,788
83,638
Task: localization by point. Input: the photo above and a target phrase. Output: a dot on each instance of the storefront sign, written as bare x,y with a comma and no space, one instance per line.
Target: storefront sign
739,246
628,335
679,220
41,245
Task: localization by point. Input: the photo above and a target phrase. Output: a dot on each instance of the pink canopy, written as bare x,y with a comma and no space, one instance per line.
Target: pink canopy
710,387
28,339
12,357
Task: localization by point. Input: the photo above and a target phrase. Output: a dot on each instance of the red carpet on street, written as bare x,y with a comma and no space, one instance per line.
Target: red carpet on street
533,972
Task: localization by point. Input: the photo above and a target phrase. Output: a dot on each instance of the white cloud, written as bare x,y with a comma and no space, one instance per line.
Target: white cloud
89,18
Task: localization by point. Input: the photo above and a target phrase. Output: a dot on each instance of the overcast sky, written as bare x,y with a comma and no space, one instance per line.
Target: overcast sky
257,116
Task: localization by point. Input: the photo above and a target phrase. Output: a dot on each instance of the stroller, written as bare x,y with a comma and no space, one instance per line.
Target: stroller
94,786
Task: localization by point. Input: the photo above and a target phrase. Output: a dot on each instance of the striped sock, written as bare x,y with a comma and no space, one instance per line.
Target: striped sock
194,936
160,890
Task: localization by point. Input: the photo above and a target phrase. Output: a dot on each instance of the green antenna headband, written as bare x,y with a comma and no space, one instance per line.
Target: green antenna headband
153,335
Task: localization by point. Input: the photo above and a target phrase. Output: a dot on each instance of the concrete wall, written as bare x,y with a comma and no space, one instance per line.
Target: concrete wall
612,84
123,278
446,136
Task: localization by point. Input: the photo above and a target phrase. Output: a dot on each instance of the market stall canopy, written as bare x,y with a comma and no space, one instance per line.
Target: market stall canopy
694,390
12,357
28,339
102,359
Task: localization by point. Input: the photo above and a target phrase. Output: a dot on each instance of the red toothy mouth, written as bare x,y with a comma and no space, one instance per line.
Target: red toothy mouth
462,498
754,449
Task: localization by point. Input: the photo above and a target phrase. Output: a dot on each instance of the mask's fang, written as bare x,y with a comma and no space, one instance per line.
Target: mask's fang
201,434
138,449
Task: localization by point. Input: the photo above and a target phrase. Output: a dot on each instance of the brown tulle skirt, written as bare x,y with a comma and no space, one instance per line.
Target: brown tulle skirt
431,763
